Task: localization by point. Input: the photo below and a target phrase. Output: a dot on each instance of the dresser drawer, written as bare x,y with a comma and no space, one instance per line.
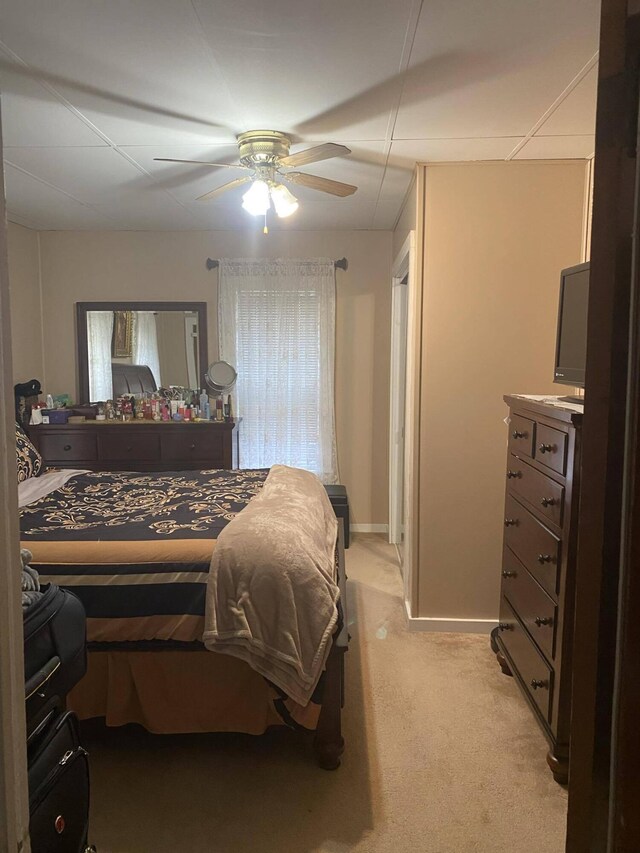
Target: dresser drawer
536,488
128,447
537,612
534,671
68,447
522,433
551,448
533,543
193,444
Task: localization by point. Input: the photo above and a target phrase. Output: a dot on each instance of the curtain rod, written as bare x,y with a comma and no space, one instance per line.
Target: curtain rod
342,264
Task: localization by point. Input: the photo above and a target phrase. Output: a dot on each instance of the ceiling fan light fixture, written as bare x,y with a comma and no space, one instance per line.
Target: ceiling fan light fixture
284,201
256,200
264,156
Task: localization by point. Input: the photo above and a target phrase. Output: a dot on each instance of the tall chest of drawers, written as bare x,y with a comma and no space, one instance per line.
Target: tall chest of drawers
535,634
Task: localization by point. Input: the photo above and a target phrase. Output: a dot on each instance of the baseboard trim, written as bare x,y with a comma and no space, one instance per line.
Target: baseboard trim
369,528
437,624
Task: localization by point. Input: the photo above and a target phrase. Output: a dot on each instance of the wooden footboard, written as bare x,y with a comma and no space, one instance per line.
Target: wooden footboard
328,742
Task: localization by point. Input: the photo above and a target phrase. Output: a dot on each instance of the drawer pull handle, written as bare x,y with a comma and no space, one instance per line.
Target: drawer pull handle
510,522
538,684
548,502
545,558
547,448
129,449
517,434
67,447
508,574
505,626
193,447
542,621
513,475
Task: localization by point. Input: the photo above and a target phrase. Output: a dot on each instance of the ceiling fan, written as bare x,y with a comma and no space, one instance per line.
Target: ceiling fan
264,154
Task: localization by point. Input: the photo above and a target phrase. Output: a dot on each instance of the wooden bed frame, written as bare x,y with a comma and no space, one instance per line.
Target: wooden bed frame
117,677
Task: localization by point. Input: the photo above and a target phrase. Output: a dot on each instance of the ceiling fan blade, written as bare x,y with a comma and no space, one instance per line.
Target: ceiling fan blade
323,184
224,188
312,155
201,163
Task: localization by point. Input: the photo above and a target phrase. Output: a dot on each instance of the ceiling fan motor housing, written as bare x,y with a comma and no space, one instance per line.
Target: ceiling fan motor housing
262,147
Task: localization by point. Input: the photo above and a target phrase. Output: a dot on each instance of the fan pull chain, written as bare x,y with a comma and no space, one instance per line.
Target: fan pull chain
265,230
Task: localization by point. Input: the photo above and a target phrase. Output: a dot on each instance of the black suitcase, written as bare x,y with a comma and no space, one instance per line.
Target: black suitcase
58,787
55,651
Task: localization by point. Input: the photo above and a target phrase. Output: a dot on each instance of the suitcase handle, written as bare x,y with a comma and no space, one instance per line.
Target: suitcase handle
42,725
38,681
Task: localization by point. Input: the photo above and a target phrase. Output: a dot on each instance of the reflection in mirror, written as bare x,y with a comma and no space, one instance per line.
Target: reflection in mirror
129,352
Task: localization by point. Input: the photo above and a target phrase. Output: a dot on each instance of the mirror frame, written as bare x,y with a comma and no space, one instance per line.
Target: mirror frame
82,349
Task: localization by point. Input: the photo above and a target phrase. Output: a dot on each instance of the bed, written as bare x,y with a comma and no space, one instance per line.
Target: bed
139,550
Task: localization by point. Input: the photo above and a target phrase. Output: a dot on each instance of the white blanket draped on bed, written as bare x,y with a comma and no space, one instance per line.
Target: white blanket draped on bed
34,488
272,592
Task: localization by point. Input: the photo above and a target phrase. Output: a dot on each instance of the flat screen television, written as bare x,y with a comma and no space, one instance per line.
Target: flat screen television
571,339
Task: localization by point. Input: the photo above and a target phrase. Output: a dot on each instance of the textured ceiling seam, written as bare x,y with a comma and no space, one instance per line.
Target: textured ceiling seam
58,96
403,65
58,189
455,138
217,65
49,147
88,123
24,221
554,106
406,198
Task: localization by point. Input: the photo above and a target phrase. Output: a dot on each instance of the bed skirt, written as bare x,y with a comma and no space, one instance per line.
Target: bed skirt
178,692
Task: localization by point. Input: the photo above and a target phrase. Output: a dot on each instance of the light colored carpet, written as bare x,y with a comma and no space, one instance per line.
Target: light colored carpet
442,756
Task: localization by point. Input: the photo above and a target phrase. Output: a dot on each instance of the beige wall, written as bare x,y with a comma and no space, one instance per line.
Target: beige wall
407,218
172,350
86,266
24,295
496,236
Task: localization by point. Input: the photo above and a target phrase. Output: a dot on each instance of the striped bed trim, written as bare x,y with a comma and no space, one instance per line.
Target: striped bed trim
133,590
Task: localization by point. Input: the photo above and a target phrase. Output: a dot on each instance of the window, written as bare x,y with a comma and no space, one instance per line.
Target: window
277,328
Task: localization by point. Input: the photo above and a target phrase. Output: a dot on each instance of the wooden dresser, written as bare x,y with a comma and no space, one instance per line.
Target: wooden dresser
138,445
535,634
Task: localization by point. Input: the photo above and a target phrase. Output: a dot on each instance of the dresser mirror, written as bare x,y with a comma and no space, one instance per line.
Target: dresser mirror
133,347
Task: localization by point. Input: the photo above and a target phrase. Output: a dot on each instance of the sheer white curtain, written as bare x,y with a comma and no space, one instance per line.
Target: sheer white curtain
277,327
99,334
145,349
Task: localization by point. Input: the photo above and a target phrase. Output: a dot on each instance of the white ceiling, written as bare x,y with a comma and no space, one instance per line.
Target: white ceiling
93,91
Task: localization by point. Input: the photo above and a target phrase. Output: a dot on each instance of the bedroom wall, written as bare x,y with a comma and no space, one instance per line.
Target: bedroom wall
496,236
84,266
406,219
24,295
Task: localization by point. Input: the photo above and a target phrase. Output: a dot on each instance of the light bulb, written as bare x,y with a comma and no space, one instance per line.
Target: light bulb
256,199
284,202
